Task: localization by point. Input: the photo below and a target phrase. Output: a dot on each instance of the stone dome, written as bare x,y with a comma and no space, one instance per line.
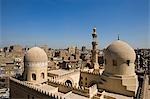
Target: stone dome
120,58
35,54
120,49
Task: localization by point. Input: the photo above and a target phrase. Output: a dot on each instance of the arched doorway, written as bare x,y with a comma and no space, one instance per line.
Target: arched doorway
68,82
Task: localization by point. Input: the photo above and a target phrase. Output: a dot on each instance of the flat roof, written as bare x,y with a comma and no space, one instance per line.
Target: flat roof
117,96
46,87
75,96
60,72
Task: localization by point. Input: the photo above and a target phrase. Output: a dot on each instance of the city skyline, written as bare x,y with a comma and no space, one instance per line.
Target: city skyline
60,24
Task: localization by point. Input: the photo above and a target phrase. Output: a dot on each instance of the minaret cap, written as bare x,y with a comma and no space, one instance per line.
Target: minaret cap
94,29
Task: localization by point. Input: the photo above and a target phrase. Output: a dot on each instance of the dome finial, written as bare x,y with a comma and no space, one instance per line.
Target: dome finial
94,30
118,36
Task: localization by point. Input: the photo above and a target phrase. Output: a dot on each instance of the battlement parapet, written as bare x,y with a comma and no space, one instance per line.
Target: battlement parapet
84,91
34,87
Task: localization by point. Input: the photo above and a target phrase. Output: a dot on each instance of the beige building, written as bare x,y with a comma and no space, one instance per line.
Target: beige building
72,49
120,69
116,81
35,63
119,73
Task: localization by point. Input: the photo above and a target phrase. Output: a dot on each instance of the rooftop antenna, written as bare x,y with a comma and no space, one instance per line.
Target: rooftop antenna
35,44
118,36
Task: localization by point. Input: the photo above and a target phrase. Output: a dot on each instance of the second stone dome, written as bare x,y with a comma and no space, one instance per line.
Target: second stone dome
120,58
120,49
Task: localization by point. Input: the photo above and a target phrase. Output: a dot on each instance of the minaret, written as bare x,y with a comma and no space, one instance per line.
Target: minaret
94,61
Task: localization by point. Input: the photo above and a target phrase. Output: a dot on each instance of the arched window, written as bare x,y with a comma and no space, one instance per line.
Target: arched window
42,75
86,83
128,62
33,76
68,82
86,78
114,63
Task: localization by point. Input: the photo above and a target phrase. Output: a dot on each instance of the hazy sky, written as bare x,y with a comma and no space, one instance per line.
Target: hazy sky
63,23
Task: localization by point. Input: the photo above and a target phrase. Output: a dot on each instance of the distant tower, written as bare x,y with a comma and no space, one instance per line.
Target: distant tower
94,61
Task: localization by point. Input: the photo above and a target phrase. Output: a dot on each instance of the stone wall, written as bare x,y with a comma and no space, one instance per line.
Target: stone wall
25,90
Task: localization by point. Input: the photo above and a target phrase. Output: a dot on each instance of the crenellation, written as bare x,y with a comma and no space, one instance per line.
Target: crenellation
30,86
57,97
54,95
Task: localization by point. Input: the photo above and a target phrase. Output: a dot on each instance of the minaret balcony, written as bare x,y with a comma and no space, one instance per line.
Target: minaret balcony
94,43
